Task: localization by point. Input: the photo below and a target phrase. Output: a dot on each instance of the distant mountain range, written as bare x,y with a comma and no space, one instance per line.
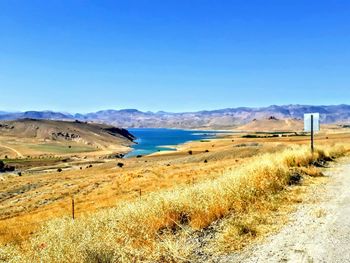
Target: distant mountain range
224,118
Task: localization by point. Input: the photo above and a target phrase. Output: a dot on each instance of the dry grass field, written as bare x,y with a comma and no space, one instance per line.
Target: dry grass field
169,206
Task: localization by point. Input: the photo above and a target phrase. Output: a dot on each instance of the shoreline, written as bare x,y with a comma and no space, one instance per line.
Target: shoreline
178,148
171,148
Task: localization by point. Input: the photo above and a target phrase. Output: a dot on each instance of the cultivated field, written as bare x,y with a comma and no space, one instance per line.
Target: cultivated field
209,197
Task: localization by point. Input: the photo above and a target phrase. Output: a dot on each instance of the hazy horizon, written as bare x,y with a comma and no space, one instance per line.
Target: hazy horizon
156,111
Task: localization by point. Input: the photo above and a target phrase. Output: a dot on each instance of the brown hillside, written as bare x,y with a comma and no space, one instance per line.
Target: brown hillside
30,135
273,124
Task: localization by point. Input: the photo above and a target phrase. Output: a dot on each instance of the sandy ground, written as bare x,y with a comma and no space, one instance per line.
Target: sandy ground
11,149
319,231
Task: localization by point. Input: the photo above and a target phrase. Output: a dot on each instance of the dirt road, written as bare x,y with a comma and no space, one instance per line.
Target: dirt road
11,149
319,231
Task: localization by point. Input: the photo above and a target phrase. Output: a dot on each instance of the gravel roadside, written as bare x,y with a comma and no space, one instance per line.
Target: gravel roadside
319,231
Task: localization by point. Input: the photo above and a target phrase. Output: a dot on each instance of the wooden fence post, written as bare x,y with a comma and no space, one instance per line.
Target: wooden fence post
73,216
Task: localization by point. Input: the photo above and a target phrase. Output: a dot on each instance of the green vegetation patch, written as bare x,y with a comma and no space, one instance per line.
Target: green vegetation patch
60,148
273,134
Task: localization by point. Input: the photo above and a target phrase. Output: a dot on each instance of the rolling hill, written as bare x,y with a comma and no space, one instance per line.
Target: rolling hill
273,124
27,136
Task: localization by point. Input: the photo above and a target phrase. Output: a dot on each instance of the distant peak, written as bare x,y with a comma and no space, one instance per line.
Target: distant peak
130,110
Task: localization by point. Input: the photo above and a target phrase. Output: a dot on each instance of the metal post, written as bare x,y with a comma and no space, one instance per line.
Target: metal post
73,207
312,133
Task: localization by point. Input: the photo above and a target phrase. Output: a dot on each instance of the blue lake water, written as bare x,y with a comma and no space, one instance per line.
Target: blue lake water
154,140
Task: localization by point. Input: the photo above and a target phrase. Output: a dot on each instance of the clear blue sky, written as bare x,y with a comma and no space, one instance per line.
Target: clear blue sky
180,55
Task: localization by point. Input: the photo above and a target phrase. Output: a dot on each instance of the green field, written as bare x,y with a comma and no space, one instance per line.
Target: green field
60,148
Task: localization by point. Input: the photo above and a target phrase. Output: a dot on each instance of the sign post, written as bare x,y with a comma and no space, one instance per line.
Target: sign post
312,125
312,133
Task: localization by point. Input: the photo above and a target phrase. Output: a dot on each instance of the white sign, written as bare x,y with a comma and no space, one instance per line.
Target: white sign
307,122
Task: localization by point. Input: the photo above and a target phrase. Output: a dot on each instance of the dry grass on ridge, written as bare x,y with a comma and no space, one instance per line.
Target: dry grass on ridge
160,227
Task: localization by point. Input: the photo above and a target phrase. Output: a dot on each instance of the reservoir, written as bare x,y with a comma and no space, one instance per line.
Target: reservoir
150,140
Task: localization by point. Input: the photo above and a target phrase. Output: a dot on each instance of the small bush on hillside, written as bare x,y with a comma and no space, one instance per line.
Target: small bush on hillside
190,152
6,168
10,168
120,165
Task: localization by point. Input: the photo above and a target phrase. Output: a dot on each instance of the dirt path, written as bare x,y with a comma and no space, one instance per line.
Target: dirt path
319,231
11,149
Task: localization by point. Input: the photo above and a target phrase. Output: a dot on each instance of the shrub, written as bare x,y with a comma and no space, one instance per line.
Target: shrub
10,168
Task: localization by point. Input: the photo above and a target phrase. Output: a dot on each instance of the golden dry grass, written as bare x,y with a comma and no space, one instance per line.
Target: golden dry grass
39,197
162,226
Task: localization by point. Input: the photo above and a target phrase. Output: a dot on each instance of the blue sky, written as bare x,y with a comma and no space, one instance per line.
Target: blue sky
180,55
